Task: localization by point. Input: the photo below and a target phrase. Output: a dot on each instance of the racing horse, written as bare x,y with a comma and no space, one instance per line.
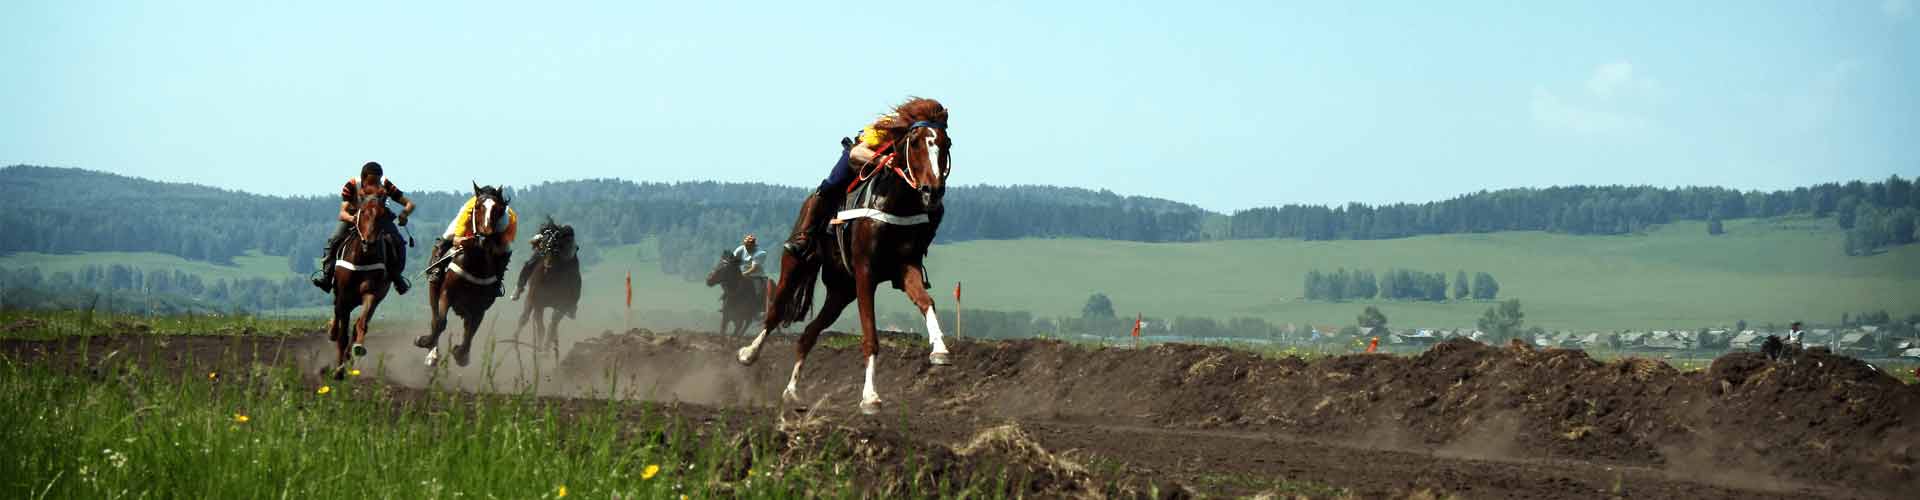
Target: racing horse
553,282
459,280
360,276
742,298
884,238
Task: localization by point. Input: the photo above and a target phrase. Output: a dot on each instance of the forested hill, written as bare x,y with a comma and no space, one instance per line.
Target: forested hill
71,210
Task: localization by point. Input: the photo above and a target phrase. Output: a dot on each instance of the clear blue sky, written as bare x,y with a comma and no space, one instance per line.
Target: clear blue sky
1226,105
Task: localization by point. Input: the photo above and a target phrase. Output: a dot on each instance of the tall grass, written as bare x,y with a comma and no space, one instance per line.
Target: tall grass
48,325
124,431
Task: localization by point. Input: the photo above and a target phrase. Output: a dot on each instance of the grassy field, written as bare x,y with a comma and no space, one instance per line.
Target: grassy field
1675,276
272,434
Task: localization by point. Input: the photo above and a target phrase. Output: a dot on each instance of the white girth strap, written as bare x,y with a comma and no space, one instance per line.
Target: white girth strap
876,214
379,266
462,273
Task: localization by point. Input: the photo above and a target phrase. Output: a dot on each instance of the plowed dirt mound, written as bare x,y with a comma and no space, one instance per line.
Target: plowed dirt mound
1820,420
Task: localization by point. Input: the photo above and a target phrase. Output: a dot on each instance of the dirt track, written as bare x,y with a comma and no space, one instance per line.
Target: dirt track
1462,419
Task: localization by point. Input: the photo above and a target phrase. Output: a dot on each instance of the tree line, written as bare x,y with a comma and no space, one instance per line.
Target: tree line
158,291
59,210
1397,284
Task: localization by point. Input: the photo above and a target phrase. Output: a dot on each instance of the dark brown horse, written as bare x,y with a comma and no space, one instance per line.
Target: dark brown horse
870,247
360,276
742,298
553,282
462,276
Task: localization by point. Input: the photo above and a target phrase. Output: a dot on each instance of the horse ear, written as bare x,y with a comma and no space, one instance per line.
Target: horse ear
476,188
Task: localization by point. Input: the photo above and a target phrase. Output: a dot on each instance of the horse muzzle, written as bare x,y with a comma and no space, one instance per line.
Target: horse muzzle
929,198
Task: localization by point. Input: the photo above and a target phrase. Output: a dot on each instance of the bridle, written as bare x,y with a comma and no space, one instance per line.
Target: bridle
903,148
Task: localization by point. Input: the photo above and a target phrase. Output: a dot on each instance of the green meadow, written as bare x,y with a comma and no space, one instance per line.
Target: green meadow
1674,276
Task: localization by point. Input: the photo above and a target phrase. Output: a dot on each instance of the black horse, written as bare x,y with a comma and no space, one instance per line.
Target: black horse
742,298
552,279
882,236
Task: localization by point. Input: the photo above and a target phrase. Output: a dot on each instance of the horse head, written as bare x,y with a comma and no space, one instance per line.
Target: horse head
489,209
729,266
923,149
366,219
559,246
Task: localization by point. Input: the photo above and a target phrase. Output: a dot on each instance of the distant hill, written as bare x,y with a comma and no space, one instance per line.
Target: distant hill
61,210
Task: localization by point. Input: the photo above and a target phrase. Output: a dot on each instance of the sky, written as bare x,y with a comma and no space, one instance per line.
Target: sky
1227,105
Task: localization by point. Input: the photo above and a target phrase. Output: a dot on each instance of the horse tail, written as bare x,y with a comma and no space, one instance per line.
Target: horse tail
795,302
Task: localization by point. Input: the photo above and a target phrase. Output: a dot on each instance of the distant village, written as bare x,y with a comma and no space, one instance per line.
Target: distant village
1860,341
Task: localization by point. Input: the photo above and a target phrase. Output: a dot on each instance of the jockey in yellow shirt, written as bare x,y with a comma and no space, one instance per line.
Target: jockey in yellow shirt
855,154
500,244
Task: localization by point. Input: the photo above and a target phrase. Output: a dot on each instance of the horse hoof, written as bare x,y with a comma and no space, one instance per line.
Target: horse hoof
748,355
790,396
460,355
433,357
359,350
870,407
340,373
939,359
423,342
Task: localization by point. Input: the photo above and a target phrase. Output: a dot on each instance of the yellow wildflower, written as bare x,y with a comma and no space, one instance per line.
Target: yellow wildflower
562,493
240,419
649,472
324,389
354,372
213,375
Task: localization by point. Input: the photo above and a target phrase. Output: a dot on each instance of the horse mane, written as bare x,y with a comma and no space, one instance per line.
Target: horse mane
915,109
549,225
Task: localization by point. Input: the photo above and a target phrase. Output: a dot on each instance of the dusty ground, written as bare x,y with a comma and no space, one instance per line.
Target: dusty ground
1462,419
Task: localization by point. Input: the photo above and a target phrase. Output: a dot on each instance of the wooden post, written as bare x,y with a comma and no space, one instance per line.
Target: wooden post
957,309
628,323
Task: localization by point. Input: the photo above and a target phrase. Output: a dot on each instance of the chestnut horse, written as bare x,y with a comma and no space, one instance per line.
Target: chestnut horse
463,280
360,276
885,242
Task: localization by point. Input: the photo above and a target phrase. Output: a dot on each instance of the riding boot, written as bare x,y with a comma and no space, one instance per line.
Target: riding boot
398,271
323,276
813,212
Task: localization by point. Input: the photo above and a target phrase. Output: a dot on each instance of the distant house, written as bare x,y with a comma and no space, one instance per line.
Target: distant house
1911,353
1632,340
1416,337
1858,342
1668,340
1748,339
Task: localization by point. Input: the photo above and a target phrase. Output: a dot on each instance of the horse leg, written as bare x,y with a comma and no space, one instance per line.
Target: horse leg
553,333
539,327
837,300
337,329
471,324
437,307
863,287
792,274
915,284
368,302
526,311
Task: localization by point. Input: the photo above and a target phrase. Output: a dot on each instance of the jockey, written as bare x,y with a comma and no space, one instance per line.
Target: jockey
855,154
752,259
503,232
370,175
538,250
